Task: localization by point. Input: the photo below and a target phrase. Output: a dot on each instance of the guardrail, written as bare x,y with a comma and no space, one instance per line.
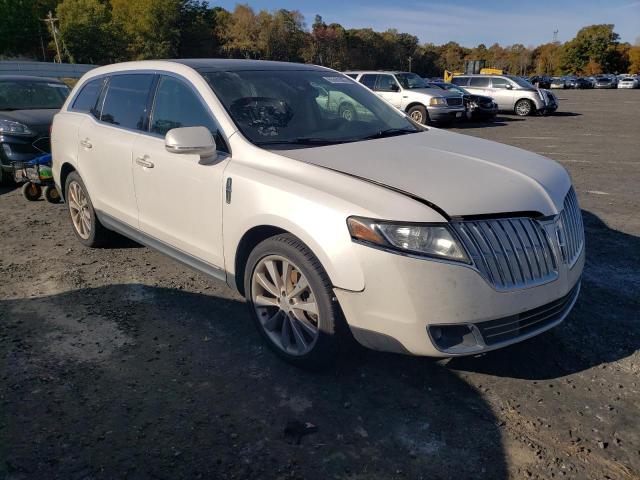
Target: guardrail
44,69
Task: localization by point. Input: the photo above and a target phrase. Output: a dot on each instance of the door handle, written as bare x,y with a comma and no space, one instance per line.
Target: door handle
143,162
85,143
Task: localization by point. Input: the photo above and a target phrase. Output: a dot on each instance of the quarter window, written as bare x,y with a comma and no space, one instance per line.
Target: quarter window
481,82
125,102
369,80
86,100
176,105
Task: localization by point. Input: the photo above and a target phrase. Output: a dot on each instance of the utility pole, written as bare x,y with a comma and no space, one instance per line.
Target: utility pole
410,59
555,35
51,21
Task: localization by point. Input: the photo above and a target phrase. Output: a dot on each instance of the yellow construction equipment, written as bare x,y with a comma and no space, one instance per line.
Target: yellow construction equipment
473,67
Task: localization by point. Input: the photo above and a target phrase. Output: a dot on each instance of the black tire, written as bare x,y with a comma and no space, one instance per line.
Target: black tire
419,114
332,329
31,191
348,112
524,107
51,194
98,235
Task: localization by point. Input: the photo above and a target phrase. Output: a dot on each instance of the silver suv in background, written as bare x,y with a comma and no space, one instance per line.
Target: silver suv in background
413,95
511,93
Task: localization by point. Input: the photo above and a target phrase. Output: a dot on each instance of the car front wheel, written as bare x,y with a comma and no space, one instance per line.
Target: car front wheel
292,302
523,107
419,114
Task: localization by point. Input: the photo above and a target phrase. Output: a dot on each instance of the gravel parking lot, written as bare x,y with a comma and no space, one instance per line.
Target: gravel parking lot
121,363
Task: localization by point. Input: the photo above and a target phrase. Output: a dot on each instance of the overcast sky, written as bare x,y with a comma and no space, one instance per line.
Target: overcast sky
469,22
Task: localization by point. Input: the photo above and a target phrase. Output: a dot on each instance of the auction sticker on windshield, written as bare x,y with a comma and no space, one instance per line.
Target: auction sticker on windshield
337,79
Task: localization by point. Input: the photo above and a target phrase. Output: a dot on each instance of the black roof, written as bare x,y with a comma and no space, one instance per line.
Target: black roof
228,65
31,78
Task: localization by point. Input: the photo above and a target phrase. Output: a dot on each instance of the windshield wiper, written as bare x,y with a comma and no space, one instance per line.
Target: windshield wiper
390,132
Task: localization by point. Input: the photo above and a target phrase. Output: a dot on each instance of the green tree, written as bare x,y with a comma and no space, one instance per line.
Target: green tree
595,43
22,31
86,31
149,28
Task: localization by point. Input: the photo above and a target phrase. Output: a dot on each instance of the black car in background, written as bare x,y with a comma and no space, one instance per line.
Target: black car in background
479,106
540,81
578,83
27,107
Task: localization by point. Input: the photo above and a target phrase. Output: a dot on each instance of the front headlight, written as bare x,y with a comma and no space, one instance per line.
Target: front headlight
431,240
437,102
13,128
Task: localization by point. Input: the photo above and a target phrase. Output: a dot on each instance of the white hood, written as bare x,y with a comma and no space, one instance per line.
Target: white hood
461,175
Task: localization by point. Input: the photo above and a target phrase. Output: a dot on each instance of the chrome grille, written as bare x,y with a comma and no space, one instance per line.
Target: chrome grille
454,101
509,252
572,237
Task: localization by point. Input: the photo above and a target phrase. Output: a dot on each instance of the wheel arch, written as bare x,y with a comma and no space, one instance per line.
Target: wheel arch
65,170
415,104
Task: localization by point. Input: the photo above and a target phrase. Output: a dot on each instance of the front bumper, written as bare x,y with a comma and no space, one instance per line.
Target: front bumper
406,297
446,114
21,149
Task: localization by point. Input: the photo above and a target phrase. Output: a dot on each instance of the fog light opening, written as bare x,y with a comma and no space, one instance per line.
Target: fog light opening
453,338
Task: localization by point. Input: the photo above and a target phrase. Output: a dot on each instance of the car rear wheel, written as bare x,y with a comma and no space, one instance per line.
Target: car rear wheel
86,225
292,302
419,114
523,107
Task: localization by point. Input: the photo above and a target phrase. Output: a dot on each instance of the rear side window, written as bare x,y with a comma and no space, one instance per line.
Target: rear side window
86,100
125,102
369,80
479,82
463,81
176,105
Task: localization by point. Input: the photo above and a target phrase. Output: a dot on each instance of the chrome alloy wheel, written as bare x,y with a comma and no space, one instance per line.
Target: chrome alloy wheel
79,210
416,116
285,305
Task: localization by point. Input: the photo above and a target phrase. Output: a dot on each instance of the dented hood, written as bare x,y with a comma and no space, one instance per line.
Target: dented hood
461,175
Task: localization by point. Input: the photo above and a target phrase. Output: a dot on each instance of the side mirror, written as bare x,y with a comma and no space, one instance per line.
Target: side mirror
192,140
394,87
509,86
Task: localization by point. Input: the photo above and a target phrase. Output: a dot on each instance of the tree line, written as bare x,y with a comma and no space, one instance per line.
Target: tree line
107,31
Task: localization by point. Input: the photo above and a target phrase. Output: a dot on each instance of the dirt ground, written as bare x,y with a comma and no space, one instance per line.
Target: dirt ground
120,363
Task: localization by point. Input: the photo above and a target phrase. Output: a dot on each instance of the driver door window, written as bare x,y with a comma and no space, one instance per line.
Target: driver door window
176,105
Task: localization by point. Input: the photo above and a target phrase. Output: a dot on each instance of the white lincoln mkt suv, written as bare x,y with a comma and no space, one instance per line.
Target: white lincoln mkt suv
414,239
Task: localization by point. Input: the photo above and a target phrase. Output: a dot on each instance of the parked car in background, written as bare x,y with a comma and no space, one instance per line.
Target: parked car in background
605,82
417,240
27,107
511,93
558,82
540,81
479,107
411,94
579,83
628,82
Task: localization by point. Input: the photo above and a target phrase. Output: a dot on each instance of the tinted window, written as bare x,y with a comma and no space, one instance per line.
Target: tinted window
460,81
176,105
499,82
125,102
369,80
88,96
479,82
352,75
386,83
